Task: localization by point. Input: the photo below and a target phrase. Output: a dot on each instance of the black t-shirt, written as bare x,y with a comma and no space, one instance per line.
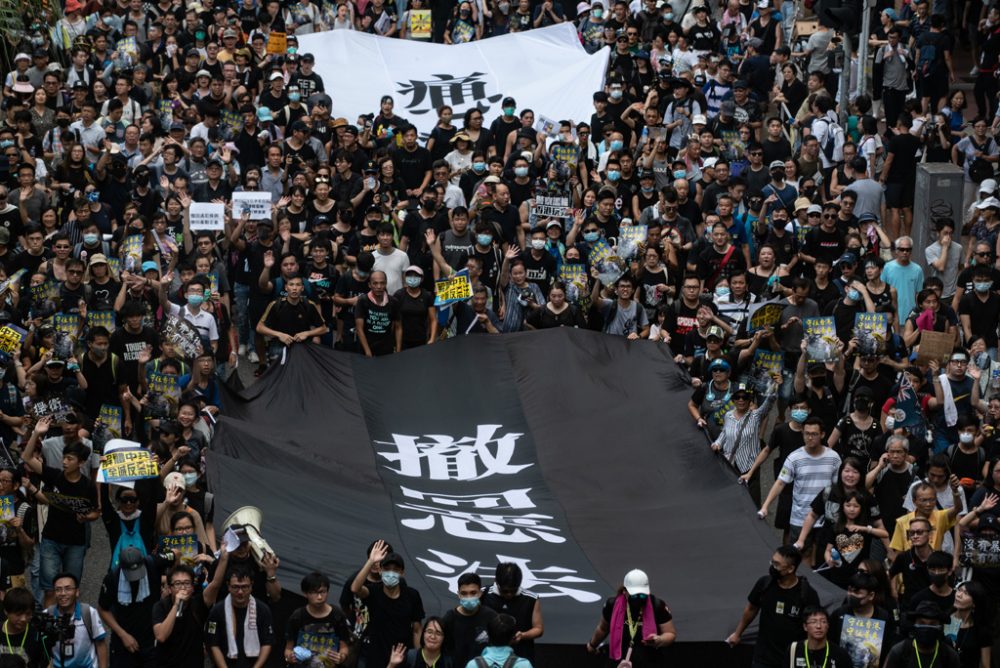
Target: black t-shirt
780,617
507,220
215,631
540,271
823,244
413,316
983,316
378,322
412,166
127,346
318,634
904,149
855,442
465,637
133,617
904,655
283,316
915,576
522,609
73,497
832,654
881,386
27,645
641,654
390,621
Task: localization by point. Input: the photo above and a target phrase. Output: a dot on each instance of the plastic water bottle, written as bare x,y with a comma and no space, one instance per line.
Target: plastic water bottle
837,559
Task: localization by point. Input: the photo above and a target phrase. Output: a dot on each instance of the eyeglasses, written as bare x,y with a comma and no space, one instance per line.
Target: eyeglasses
64,590
918,532
828,216
721,371
432,632
986,254
189,527
813,215
239,587
185,584
904,249
128,499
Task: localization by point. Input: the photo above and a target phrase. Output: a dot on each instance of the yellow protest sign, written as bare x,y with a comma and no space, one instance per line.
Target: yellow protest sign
277,43
455,288
128,465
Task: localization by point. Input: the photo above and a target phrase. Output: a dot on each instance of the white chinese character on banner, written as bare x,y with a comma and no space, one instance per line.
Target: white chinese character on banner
547,582
447,458
503,527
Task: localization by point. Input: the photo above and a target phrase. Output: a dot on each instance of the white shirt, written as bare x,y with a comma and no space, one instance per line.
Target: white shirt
201,320
393,264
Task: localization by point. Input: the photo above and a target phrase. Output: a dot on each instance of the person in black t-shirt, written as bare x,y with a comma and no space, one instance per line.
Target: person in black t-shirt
226,630
376,319
293,318
21,638
464,626
126,607
318,627
506,596
417,315
780,597
633,611
72,500
178,619
395,610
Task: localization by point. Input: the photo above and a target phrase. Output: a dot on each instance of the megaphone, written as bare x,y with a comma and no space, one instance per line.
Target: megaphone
248,520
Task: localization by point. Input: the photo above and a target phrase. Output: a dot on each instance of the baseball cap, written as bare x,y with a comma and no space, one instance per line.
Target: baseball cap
97,258
133,564
866,217
742,83
414,269
553,223
149,265
719,364
264,114
988,186
989,202
582,8
776,164
814,208
307,58
709,163
717,332
275,75
636,582
21,56
699,119
228,32
846,258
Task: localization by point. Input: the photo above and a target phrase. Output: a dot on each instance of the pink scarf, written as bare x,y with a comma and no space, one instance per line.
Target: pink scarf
618,624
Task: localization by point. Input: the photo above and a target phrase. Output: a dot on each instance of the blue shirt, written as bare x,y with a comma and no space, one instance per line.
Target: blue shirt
908,280
496,656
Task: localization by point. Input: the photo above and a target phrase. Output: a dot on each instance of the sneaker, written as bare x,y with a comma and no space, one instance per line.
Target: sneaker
252,357
243,350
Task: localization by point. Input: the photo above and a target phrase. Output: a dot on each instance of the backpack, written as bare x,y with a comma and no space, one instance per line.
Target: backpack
954,450
509,663
928,62
981,169
833,130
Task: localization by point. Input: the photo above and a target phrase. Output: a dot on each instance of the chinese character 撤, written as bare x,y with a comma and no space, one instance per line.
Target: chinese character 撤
448,458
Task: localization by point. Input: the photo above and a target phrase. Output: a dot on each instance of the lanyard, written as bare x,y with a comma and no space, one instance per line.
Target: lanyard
826,657
633,626
23,637
937,645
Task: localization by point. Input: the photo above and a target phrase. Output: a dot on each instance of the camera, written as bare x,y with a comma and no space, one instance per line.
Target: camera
527,295
52,628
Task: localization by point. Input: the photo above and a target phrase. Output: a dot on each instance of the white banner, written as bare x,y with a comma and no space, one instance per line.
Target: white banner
208,216
257,203
546,70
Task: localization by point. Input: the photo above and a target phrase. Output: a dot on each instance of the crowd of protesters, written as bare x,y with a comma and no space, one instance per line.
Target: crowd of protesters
739,176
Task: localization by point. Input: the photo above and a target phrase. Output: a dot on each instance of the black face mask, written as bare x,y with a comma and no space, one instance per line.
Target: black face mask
773,572
62,122
428,204
938,579
142,180
817,381
862,406
372,223
855,602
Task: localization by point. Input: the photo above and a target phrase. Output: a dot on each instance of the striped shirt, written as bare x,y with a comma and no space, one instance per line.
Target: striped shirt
747,431
809,475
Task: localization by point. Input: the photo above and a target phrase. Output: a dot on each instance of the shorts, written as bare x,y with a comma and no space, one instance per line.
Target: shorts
793,535
899,195
783,513
255,311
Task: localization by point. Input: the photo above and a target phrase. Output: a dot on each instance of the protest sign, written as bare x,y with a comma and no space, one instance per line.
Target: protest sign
10,341
105,319
67,323
44,291
546,126
870,331
258,204
765,363
183,335
7,503
862,638
187,545
11,280
546,206
277,43
935,346
575,279
111,417
455,288
609,266
55,407
164,383
630,239
420,24
71,504
131,253
115,265
231,119
764,315
166,109
208,216
820,339
126,465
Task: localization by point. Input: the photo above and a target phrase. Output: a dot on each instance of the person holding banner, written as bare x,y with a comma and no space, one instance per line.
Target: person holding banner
291,319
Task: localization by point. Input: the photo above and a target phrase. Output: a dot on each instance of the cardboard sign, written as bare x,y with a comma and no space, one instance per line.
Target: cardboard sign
630,239
765,315
10,340
67,323
183,335
258,204
186,545
935,346
765,363
44,291
56,408
208,216
455,288
165,384
609,266
277,43
863,639
231,119
870,330
129,465
105,319
132,253
820,339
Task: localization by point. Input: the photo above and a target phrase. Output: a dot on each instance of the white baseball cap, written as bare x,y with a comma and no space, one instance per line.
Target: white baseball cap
636,582
988,186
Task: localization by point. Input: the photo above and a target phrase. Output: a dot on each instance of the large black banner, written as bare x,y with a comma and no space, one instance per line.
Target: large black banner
566,451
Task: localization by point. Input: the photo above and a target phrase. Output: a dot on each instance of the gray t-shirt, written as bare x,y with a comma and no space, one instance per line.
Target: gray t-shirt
819,57
895,76
950,274
626,320
791,336
870,197
52,454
